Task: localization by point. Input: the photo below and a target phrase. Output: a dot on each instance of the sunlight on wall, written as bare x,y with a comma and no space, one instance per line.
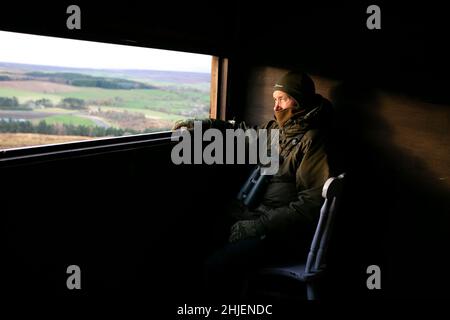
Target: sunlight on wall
421,130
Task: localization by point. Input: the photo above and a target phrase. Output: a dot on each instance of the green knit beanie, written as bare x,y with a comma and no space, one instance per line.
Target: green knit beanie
299,86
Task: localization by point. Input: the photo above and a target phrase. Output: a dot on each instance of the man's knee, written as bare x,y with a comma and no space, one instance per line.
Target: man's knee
235,256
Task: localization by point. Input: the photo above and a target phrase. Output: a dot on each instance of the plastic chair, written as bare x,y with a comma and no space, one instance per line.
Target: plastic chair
311,271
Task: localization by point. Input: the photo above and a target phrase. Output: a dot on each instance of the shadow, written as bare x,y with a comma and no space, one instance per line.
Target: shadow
394,214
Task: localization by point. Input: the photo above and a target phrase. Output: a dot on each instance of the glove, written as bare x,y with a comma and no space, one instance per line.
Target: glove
189,123
239,211
246,229
206,124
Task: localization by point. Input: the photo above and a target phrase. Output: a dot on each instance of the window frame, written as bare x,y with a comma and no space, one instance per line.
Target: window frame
219,85
48,152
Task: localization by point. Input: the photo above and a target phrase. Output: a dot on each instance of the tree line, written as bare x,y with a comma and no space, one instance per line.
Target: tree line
84,80
7,103
14,126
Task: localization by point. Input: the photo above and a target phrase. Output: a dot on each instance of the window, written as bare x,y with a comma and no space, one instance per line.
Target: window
55,90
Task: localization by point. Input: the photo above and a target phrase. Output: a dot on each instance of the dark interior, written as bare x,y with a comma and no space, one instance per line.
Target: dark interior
139,225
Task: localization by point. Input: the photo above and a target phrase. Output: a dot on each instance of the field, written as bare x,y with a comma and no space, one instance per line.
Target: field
15,140
69,119
68,101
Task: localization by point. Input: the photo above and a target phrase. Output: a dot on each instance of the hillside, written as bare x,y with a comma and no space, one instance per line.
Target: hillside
175,77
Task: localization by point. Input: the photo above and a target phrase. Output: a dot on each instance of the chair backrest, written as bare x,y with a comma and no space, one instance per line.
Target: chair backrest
331,191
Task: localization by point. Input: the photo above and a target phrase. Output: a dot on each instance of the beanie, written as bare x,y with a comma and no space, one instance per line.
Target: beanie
299,86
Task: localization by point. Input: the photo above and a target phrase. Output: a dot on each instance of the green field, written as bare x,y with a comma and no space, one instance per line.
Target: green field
67,119
149,113
156,99
25,95
77,102
141,99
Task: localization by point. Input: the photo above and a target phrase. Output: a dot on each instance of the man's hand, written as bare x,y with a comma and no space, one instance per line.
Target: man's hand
187,123
238,211
206,123
246,229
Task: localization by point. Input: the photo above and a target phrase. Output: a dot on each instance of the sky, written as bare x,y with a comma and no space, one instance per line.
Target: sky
51,51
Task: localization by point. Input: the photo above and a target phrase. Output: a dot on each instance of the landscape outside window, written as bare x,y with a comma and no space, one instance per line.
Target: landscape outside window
55,90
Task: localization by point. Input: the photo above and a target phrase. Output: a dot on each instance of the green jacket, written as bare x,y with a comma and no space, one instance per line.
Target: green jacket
294,195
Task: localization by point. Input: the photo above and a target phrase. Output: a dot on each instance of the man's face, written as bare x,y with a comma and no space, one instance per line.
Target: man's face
282,101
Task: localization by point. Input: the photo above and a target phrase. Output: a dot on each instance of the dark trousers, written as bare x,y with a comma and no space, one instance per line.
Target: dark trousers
227,269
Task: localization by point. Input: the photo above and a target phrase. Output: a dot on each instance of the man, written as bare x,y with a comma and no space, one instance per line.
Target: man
281,225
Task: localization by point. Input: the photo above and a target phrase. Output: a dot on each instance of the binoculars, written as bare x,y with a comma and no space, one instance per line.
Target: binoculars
252,190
